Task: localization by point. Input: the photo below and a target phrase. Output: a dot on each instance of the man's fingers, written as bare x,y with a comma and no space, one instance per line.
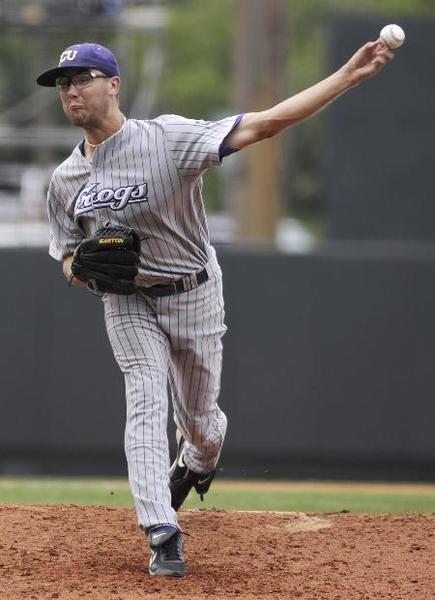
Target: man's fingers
375,48
369,45
383,57
366,53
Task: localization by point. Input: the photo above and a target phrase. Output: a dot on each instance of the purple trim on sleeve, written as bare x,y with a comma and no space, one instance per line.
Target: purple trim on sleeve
225,150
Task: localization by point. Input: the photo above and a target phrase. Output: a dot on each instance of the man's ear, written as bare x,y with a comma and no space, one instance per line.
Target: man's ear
115,83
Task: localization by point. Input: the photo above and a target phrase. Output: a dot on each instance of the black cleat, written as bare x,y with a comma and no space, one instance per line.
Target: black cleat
167,554
182,479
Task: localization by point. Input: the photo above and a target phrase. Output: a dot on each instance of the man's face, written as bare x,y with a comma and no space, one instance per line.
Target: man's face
87,96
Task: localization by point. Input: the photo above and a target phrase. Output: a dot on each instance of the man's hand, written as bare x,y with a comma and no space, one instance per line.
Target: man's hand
108,260
72,279
368,61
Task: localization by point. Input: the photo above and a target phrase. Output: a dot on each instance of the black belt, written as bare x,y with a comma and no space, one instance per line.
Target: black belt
185,284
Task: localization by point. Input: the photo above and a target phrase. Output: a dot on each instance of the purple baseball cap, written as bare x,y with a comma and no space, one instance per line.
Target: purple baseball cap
81,56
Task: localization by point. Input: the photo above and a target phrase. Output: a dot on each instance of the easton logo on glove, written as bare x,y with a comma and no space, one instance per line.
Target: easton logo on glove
111,241
108,261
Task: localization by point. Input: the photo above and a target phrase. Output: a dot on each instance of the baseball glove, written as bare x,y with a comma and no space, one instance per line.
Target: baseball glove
108,260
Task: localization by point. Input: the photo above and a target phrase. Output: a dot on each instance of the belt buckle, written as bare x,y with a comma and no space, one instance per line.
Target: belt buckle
189,282
174,288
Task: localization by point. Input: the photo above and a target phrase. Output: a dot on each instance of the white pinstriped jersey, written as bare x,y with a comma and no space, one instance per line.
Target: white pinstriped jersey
147,176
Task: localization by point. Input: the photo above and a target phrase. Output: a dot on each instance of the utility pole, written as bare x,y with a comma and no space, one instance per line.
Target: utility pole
260,47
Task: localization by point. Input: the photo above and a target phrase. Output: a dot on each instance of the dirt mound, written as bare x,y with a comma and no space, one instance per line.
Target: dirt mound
71,552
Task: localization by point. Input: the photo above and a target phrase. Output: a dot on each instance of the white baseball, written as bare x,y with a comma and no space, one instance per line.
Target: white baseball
393,36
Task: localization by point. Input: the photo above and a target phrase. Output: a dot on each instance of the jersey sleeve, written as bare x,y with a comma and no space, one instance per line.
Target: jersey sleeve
65,234
196,145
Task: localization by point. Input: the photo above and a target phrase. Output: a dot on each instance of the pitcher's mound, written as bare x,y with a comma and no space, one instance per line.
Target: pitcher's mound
71,552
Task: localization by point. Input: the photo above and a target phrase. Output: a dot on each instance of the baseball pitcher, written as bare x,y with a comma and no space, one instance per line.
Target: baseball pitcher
127,221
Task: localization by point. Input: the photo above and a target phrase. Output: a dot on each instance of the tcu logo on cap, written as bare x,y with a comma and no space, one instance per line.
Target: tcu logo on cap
68,55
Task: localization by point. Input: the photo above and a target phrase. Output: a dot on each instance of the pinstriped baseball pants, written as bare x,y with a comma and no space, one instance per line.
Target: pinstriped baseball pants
175,339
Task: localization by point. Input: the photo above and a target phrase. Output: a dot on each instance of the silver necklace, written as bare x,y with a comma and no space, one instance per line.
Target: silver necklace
109,138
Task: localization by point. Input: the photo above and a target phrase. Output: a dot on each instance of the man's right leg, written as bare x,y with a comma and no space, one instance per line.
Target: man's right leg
141,350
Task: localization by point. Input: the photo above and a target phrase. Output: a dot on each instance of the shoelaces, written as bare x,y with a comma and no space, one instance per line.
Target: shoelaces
172,549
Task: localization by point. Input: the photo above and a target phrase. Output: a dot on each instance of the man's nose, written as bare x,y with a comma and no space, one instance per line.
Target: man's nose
72,91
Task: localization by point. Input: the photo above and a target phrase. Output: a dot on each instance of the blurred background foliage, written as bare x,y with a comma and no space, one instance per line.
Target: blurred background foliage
197,76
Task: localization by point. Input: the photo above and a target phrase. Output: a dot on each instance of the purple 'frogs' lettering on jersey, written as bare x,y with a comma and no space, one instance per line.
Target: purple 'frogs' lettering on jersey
92,199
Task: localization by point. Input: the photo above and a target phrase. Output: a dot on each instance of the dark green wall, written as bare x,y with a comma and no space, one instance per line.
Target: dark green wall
329,367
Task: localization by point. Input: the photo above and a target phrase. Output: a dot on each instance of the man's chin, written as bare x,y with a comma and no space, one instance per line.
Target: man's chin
77,119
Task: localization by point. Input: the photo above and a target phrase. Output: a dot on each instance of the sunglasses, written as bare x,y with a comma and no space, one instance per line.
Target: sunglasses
79,81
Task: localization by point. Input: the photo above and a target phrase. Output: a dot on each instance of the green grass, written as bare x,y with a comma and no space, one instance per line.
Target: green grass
226,495
105,492
320,501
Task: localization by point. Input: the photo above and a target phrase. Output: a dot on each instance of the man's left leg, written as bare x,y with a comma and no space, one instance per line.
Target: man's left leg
197,327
